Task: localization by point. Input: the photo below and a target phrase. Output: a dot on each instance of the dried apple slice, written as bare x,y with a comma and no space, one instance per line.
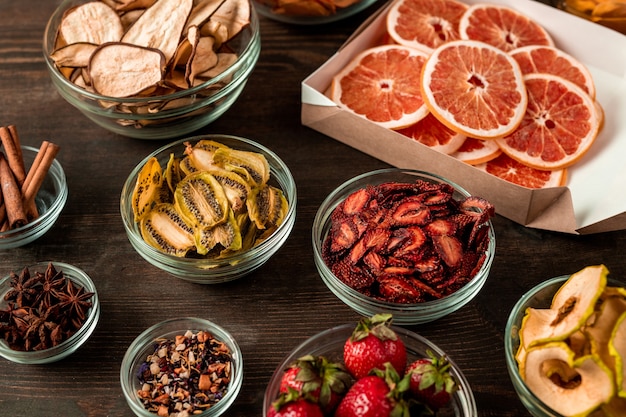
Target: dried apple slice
617,347
75,55
570,386
123,70
599,332
92,22
160,27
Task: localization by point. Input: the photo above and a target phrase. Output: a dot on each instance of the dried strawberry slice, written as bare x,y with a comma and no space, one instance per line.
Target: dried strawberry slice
449,248
399,290
411,211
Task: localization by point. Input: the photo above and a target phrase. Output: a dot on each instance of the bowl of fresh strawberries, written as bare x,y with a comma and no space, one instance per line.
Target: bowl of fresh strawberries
404,242
371,365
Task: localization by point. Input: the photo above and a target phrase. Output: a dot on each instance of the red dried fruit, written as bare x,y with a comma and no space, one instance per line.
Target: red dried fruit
398,289
449,249
411,212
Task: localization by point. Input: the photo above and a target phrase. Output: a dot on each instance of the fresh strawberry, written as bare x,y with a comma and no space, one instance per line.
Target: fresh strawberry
372,343
291,404
380,394
317,379
431,382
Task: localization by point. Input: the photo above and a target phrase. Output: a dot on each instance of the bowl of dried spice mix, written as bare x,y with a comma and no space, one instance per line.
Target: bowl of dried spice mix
182,365
47,311
404,242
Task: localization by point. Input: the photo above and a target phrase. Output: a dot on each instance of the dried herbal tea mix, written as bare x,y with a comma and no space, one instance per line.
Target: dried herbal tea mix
187,374
407,242
166,46
42,309
213,201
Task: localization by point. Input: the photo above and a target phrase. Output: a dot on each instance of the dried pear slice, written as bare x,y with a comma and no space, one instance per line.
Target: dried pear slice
590,382
204,58
234,15
200,198
202,11
75,55
235,187
251,165
617,348
571,306
146,189
122,70
93,22
267,206
166,230
226,235
160,26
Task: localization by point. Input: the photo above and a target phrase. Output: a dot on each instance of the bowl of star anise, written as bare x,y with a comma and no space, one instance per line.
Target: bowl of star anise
47,311
404,242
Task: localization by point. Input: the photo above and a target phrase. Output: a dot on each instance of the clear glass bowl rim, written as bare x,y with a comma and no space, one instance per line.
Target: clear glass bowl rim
434,308
70,345
173,326
326,338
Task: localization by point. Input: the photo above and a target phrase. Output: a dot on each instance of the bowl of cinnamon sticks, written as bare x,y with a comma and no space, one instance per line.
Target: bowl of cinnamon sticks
33,189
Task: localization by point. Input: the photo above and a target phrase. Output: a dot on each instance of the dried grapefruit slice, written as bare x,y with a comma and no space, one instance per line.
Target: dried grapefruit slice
477,151
382,84
502,27
560,124
474,88
434,134
514,172
425,24
551,60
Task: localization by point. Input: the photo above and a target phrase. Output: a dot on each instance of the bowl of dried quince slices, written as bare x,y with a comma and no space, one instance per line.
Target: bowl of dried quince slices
124,68
209,208
404,242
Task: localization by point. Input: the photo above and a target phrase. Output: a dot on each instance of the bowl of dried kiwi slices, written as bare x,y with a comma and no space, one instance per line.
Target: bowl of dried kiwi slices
176,78
209,209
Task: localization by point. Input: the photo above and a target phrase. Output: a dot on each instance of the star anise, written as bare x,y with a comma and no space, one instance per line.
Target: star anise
39,334
22,289
75,301
51,282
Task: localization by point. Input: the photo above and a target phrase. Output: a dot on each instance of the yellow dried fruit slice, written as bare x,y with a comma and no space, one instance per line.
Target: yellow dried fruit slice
570,386
147,186
92,22
617,347
166,230
200,198
251,165
160,26
600,330
122,70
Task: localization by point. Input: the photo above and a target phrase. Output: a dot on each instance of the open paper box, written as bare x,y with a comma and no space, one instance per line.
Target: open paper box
593,200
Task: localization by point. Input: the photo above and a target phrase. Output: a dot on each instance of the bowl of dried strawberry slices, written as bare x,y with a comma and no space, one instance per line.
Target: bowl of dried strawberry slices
404,242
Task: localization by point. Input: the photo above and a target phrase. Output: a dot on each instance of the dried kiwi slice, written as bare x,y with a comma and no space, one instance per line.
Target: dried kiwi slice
166,230
235,186
201,199
251,165
147,187
226,236
267,206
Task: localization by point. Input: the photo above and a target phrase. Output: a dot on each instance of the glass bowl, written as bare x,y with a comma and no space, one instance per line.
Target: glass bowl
160,116
581,9
50,201
213,271
403,313
539,296
145,344
69,346
317,15
329,343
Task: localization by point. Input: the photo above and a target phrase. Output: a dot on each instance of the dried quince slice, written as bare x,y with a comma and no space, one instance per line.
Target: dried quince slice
571,386
160,26
123,70
92,22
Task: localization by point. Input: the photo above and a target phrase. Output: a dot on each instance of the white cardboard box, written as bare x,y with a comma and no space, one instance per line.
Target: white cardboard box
594,199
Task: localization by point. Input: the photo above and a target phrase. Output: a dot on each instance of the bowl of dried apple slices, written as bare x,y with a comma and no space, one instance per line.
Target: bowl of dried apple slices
124,68
210,208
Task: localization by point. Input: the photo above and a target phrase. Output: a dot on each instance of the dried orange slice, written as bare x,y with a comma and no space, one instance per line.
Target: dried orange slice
382,84
551,60
560,124
474,88
431,132
515,172
425,24
477,151
502,27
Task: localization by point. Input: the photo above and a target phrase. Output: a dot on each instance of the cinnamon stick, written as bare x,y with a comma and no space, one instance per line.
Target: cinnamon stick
16,215
13,151
39,172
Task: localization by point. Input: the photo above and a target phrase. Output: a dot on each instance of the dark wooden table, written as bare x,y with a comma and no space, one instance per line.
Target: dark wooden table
275,308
